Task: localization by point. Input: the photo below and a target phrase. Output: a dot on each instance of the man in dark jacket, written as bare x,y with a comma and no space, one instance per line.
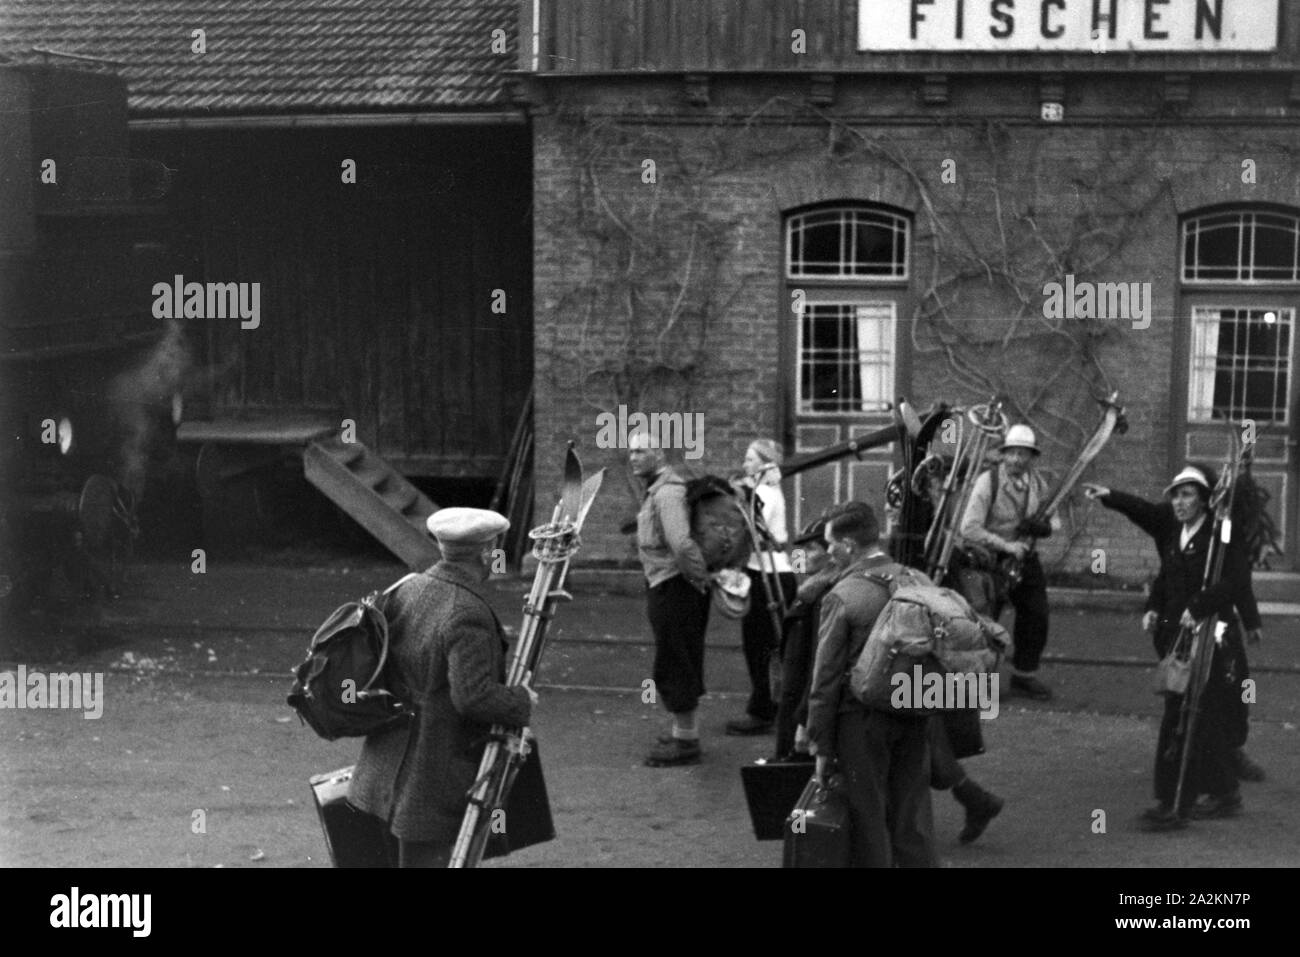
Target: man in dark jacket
946,772
1182,528
884,758
448,660
799,641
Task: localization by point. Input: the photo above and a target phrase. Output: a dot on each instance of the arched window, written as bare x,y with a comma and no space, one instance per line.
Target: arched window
1241,347
847,243
846,279
1242,246
1239,294
847,261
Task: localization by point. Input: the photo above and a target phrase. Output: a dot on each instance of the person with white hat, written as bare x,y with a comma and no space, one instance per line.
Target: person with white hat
448,657
998,521
1182,529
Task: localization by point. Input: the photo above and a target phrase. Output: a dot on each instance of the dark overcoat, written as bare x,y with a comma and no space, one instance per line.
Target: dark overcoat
449,661
1223,724
1182,569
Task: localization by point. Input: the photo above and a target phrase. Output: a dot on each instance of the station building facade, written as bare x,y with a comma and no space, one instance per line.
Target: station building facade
781,217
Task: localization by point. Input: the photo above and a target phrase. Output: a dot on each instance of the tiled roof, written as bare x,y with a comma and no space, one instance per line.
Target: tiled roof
275,56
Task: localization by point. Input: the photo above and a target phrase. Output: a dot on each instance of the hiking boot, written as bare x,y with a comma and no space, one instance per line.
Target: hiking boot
1158,813
667,738
1247,770
1030,687
1224,805
1163,817
674,753
794,757
749,725
981,807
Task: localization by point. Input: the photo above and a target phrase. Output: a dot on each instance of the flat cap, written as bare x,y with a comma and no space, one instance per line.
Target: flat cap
467,526
813,532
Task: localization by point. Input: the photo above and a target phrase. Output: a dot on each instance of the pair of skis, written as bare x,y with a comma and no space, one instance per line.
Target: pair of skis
988,423
1112,421
508,748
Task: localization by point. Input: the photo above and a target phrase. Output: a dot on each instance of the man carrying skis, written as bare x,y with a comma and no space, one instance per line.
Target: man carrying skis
448,657
998,524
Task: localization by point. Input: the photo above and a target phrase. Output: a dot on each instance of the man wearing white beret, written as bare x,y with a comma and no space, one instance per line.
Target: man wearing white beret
448,660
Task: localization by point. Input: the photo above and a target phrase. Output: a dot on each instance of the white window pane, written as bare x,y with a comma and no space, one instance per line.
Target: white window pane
1240,364
1205,338
875,354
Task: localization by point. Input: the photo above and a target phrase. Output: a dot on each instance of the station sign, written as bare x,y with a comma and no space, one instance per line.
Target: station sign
1098,26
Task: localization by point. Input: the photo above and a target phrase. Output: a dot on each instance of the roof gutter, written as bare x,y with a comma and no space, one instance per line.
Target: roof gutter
329,120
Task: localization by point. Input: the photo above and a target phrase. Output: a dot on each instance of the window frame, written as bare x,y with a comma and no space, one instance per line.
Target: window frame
848,290
902,234
1193,358
802,412
1191,230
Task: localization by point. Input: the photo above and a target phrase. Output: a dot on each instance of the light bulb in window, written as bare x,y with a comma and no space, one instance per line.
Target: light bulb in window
1270,317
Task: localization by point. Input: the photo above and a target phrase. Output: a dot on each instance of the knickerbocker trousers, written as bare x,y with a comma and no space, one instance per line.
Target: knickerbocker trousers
679,617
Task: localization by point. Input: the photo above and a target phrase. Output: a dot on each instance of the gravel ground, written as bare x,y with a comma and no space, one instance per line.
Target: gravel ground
195,730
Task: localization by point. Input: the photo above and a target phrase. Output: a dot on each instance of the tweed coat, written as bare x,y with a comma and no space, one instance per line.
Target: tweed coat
448,659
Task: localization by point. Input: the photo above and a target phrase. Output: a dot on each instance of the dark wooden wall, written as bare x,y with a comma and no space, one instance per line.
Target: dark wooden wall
376,297
594,36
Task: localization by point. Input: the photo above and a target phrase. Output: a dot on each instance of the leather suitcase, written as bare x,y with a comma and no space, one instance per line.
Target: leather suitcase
771,790
965,732
528,810
817,830
353,838
356,839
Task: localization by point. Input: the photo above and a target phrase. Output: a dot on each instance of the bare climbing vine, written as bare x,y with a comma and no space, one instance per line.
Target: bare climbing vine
660,263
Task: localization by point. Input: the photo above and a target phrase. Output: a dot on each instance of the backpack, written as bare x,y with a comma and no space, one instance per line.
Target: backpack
717,524
339,689
922,624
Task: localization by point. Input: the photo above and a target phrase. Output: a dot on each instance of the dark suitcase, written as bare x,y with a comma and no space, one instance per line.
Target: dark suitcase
356,839
353,838
817,830
771,789
528,811
965,732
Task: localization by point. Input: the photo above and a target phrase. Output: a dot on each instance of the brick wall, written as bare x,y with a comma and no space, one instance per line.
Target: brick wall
1112,155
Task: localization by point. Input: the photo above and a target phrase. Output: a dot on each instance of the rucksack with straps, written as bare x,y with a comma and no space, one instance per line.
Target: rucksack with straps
340,689
921,624
717,522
